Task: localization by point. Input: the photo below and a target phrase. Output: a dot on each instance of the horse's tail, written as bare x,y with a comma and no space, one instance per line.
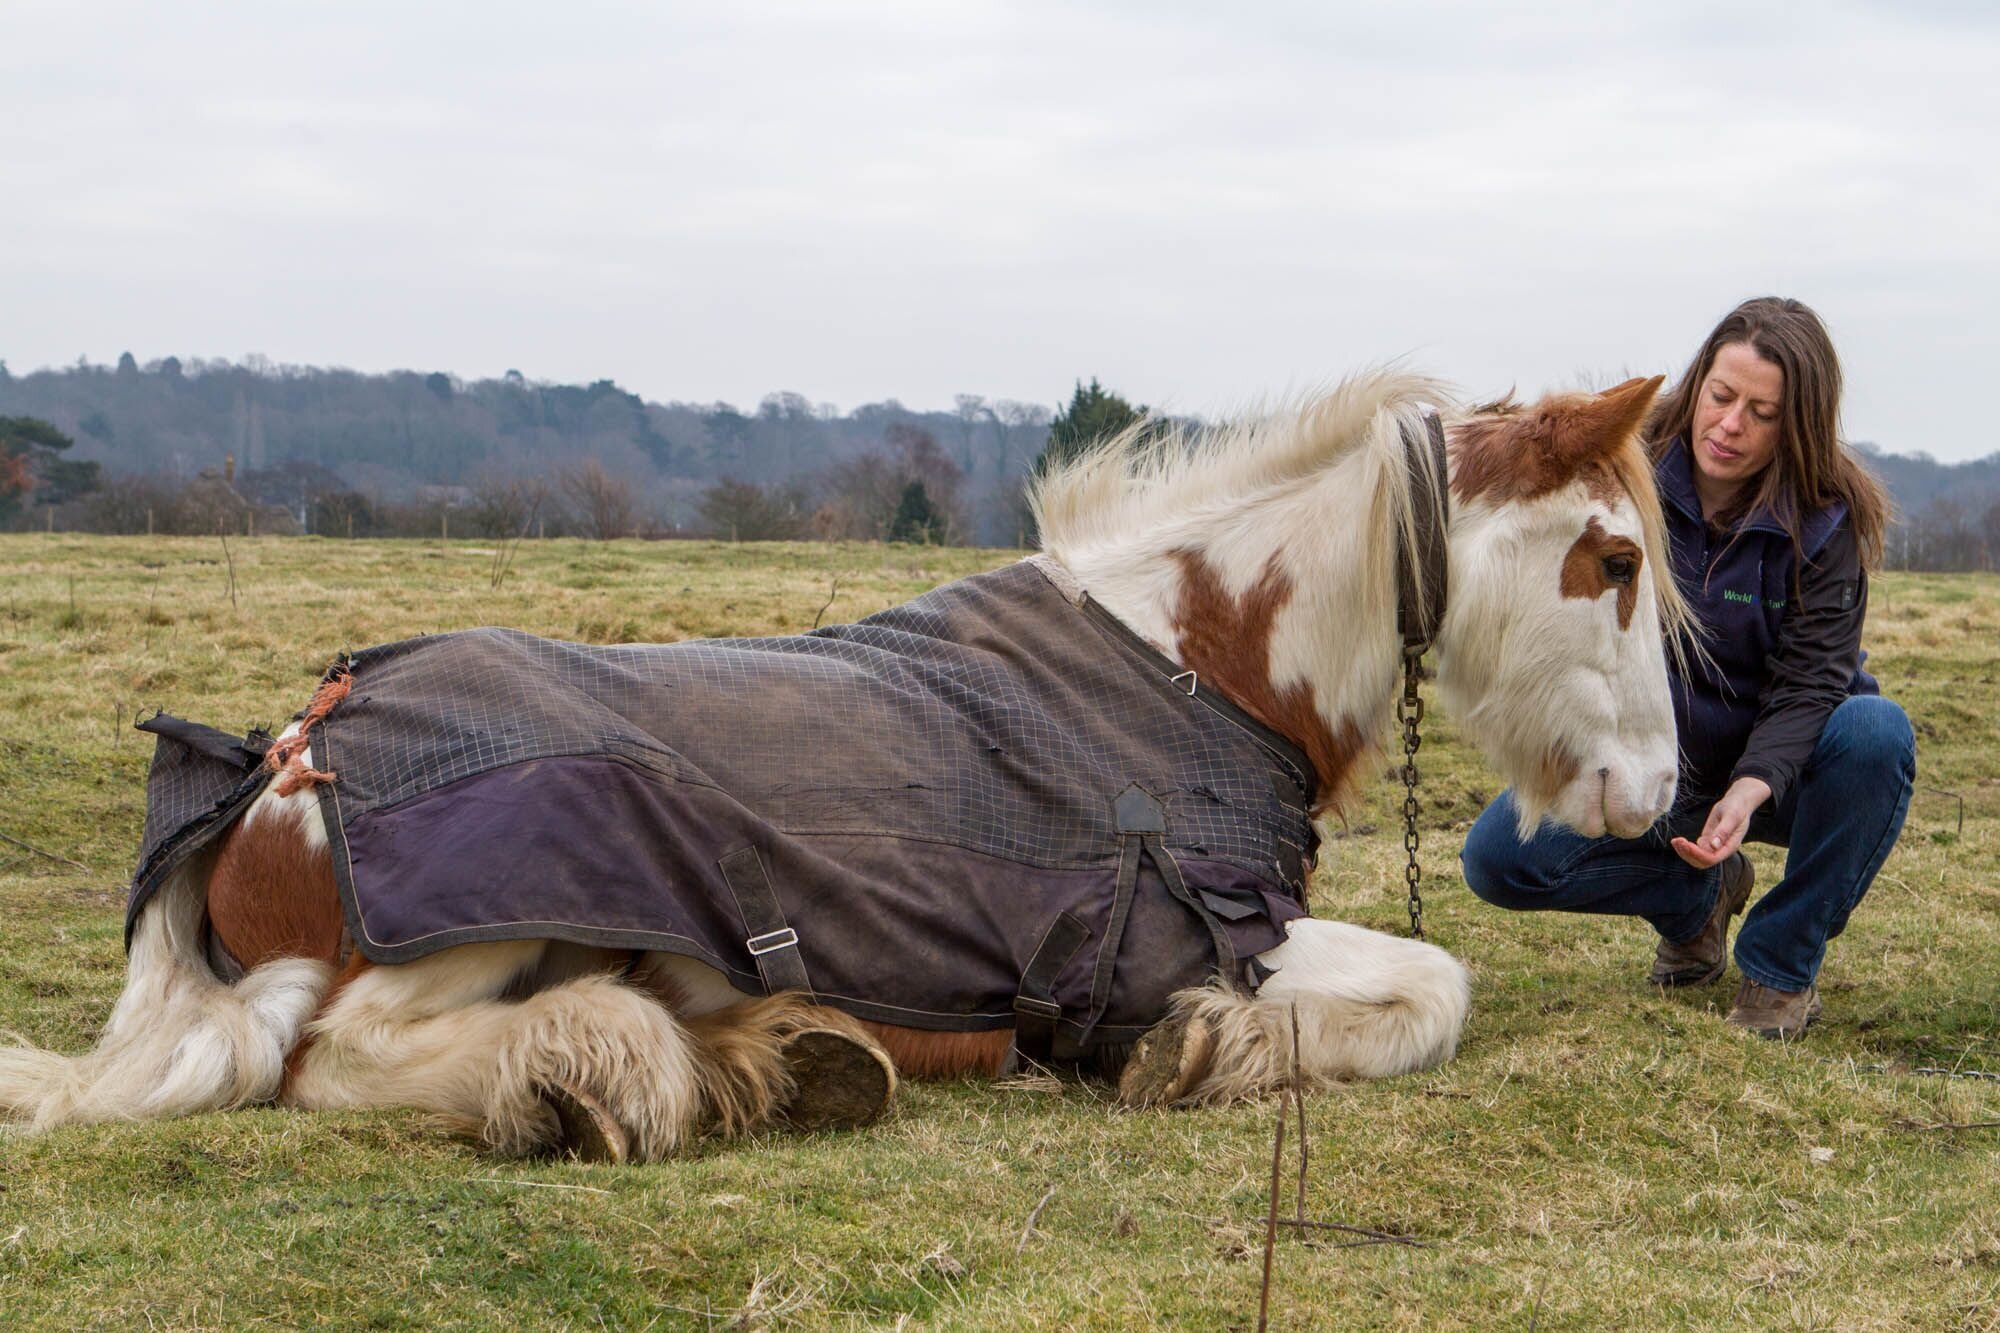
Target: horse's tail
180,1041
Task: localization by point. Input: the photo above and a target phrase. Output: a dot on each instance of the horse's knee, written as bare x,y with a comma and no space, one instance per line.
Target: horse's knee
599,1036
1370,1005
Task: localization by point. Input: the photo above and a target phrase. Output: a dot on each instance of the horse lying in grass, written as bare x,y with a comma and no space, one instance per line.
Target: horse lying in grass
601,899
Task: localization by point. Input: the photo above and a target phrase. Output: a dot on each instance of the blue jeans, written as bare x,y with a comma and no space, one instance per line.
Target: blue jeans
1838,821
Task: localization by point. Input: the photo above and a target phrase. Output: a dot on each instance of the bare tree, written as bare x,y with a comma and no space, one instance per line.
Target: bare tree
1017,426
917,456
603,503
861,495
970,409
744,511
505,506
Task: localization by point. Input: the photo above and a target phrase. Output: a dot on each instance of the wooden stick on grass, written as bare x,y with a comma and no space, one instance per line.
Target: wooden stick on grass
1299,1097
1949,1124
1271,1217
1374,1237
831,593
30,847
1033,1218
232,567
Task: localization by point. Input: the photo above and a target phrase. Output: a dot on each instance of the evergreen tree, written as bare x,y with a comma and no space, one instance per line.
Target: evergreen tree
31,461
1093,415
917,519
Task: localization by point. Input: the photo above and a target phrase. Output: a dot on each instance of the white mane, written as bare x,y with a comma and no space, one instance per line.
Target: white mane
1156,471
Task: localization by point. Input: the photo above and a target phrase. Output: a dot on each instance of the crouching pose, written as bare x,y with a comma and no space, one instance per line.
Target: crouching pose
1773,525
601,899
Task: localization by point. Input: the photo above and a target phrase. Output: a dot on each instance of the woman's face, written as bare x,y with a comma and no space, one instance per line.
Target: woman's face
1736,415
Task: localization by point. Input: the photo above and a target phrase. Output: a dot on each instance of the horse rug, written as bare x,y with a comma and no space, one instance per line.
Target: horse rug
991,806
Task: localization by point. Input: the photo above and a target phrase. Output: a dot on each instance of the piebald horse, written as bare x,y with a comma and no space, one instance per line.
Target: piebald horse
1259,556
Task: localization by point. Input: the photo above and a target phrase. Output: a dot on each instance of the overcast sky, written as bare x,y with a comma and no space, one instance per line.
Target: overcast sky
864,201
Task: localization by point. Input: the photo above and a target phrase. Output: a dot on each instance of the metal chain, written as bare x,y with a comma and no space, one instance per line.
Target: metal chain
1410,711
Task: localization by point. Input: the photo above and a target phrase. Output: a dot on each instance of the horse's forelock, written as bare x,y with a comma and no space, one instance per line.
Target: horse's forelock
1504,452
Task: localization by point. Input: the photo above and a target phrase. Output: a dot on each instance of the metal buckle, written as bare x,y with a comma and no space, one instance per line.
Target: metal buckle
1028,1004
1193,681
770,940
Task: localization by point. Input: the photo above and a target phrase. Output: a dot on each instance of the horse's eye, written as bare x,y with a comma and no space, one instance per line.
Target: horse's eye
1620,569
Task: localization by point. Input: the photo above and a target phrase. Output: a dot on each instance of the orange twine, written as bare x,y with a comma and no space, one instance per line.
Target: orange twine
287,757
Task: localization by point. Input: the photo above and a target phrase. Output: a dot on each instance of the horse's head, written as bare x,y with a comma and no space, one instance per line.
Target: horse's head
1552,651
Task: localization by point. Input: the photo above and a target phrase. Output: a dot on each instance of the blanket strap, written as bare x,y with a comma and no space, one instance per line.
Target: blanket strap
773,945
244,752
1225,953
1141,821
1035,1007
1142,825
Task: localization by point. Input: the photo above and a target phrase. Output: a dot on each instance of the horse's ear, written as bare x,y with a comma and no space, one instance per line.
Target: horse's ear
1588,427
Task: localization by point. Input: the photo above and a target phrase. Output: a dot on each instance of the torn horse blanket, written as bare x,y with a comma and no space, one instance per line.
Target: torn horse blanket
992,806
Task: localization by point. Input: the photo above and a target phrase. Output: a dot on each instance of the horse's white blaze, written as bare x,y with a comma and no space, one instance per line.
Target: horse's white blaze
1529,672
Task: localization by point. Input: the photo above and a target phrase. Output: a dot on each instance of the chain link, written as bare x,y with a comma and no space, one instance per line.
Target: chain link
1410,712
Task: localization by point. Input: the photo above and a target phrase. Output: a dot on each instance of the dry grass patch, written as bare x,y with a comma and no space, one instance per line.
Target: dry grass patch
1600,1155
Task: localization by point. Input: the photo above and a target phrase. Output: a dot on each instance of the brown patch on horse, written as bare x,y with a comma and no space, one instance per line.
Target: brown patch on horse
1228,644
1506,452
1557,770
1584,575
920,1053
272,895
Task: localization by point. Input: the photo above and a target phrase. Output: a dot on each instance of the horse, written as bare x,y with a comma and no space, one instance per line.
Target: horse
1246,575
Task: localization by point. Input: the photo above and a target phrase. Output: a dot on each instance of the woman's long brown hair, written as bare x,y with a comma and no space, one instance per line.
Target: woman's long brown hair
1813,466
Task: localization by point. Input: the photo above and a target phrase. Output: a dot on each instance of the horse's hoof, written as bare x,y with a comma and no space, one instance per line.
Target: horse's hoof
588,1131
1167,1062
838,1081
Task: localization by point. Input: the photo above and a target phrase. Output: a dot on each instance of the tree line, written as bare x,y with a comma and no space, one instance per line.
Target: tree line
254,447
167,448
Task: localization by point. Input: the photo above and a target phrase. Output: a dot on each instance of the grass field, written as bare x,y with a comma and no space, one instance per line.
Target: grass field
1599,1155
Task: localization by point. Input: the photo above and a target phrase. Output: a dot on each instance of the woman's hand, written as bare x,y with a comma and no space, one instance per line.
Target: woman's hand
1727,822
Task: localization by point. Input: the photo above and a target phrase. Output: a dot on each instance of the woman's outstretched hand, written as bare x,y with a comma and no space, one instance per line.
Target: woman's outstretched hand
1727,822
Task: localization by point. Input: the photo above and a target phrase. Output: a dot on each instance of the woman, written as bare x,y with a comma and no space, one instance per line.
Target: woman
1774,525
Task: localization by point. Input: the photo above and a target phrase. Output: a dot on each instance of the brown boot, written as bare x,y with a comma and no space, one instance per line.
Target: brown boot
1700,960
1776,1015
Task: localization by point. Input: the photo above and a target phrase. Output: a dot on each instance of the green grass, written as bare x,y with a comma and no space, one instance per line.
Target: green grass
1599,1155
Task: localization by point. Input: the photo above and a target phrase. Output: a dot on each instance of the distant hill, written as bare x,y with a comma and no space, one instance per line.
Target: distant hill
400,435
405,435
1917,480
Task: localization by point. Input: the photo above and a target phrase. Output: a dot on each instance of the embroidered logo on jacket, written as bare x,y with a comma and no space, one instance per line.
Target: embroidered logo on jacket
1751,599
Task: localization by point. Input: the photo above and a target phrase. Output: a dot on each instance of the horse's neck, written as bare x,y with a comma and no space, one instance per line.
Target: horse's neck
1285,604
